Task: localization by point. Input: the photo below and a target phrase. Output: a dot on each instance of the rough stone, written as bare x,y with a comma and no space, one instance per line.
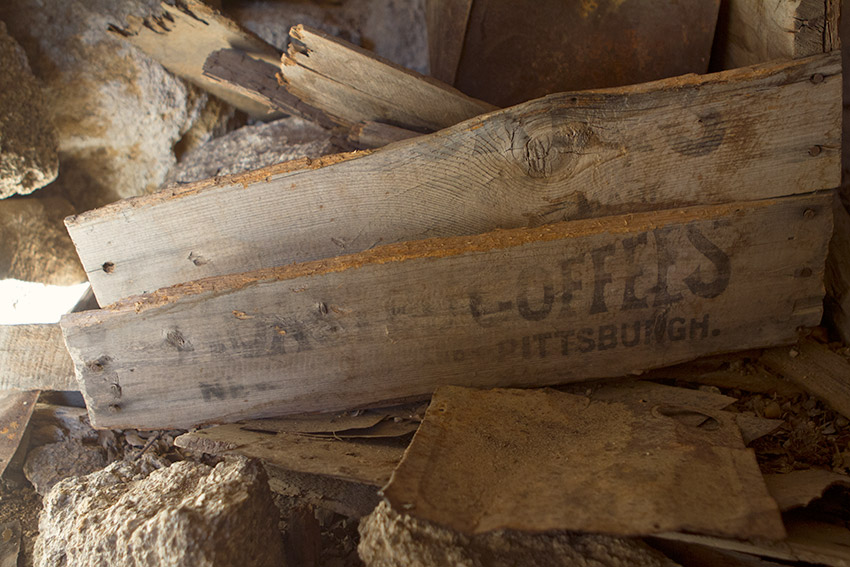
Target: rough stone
47,465
393,29
28,153
34,245
118,114
392,539
252,147
186,514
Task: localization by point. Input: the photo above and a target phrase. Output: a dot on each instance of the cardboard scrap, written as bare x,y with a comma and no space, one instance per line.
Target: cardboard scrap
539,460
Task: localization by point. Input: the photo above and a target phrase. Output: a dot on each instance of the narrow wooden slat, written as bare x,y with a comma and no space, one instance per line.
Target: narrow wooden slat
370,135
446,20
525,307
816,369
352,85
752,133
33,357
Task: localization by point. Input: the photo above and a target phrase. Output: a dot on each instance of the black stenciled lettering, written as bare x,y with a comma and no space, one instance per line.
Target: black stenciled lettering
585,339
480,312
565,341
624,332
722,265
630,299
666,257
659,326
601,278
701,325
522,302
541,343
570,285
210,391
607,337
676,329
526,347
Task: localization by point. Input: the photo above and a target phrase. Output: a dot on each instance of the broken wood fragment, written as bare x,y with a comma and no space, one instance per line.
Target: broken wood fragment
545,161
34,357
181,38
838,274
352,85
502,308
257,79
798,489
15,411
542,460
816,369
368,134
751,32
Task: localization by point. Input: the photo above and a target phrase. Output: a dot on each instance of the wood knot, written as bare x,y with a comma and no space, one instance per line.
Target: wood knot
550,151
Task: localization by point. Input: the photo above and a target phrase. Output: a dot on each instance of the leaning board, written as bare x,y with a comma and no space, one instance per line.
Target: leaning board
759,132
522,307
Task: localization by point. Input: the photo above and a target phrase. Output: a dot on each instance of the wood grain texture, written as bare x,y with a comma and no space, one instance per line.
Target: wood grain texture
257,79
181,38
755,31
353,85
446,21
33,357
369,135
816,369
753,133
838,274
525,307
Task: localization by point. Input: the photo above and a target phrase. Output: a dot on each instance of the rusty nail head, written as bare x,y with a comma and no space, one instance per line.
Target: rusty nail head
806,273
814,150
817,78
114,408
809,214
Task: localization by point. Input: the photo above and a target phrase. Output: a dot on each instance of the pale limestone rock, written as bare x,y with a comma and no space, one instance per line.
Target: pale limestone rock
391,539
118,114
186,514
253,147
28,154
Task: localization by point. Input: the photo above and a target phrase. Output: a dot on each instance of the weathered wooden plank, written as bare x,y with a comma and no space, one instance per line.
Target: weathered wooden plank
257,79
182,36
352,85
838,274
754,133
370,135
33,357
816,369
755,31
564,302
446,20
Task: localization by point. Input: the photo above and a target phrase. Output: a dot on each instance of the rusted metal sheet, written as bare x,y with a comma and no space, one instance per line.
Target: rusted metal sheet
15,412
517,50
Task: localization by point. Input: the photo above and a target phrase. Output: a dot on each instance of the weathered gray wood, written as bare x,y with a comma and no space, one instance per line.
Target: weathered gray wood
755,31
838,274
753,133
564,302
816,369
257,79
33,357
182,36
370,135
446,20
352,85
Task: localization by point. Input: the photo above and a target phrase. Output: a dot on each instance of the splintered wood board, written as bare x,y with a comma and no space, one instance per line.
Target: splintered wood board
753,133
182,36
524,307
352,85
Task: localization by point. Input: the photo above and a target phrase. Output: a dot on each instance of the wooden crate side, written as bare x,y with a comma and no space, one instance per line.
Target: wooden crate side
524,307
761,132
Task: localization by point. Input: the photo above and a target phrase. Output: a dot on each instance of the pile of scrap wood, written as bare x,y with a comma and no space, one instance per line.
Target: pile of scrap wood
572,315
